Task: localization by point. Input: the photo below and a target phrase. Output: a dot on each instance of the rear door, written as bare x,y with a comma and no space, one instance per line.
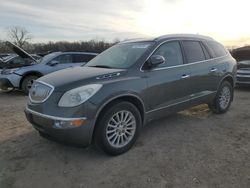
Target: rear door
202,69
218,63
169,83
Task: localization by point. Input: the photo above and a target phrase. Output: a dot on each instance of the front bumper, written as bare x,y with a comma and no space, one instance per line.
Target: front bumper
5,84
10,81
243,77
81,135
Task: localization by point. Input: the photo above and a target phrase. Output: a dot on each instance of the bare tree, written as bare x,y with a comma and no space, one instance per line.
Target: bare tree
19,35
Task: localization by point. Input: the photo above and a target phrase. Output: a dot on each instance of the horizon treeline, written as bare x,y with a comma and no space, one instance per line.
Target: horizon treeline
96,46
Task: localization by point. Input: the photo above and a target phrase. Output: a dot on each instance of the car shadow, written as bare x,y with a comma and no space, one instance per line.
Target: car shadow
243,87
31,146
11,93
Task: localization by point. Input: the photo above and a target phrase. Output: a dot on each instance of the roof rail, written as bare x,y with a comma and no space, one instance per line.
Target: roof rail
184,35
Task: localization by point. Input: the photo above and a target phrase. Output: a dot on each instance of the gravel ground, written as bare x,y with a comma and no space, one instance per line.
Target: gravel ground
193,148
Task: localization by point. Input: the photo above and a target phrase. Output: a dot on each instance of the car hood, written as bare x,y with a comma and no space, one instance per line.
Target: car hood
19,51
74,77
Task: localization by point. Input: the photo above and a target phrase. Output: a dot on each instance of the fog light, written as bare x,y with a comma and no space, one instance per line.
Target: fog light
59,124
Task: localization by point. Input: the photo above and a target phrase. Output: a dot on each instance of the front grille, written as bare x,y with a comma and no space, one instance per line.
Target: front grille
243,72
243,79
40,92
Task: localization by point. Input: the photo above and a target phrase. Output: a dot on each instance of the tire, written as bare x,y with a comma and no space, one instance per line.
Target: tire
27,82
115,137
223,98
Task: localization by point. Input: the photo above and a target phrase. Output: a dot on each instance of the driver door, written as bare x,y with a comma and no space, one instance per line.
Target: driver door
60,62
168,83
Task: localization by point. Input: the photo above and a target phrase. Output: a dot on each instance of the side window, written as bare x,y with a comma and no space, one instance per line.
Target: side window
80,58
216,49
171,51
193,51
66,58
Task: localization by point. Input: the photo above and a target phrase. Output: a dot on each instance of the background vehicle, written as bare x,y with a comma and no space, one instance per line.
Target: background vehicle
23,77
15,61
2,55
18,59
115,94
242,55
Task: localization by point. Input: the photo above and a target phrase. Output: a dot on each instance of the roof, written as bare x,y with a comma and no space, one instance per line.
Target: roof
169,36
86,53
245,48
184,36
69,52
242,53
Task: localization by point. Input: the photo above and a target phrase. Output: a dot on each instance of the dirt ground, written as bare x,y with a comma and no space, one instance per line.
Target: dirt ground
194,148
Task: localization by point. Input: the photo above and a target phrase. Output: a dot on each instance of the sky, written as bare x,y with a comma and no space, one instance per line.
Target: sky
73,20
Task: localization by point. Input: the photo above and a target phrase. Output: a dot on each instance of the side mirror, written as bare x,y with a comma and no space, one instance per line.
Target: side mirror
53,63
155,60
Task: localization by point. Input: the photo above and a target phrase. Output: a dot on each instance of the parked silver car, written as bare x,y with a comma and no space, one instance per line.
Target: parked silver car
242,55
23,77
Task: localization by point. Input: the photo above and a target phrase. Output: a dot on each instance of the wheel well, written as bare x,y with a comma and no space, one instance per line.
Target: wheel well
135,101
229,79
29,74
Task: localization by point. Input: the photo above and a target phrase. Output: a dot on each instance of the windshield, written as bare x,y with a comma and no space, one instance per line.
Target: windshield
120,56
48,57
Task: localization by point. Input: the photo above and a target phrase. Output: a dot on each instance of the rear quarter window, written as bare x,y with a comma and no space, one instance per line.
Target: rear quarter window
216,49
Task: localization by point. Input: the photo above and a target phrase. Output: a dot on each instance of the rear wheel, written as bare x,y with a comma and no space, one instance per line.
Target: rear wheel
27,83
223,98
118,128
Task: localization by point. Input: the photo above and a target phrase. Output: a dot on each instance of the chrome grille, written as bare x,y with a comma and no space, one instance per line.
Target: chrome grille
40,92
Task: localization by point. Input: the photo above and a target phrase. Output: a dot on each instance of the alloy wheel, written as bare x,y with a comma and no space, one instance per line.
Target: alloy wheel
225,97
121,128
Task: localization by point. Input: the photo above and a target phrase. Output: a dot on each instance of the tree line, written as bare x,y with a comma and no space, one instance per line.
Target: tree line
84,46
21,37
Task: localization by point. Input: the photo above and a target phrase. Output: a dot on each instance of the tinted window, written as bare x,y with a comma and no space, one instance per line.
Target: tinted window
193,51
216,49
80,58
171,51
66,58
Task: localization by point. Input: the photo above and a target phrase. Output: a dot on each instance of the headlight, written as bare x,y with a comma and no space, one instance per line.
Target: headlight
9,71
78,95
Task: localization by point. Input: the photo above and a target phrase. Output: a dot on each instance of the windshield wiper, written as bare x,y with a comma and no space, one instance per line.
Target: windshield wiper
102,66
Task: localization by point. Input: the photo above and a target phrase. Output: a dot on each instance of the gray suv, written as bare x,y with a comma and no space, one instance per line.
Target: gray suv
108,101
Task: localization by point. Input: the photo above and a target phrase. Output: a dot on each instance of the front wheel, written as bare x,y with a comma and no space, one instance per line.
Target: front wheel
223,98
27,83
118,128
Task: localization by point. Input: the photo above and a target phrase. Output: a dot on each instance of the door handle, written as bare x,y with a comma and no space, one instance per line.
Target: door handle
185,76
213,70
